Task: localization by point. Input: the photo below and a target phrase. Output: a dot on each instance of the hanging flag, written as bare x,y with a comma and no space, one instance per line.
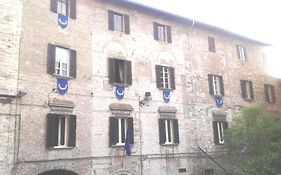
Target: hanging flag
166,96
119,91
219,101
62,86
127,144
63,21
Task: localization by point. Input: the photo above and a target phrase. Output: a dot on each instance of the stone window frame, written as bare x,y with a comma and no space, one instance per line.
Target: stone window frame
220,124
124,22
165,81
247,90
216,85
162,32
120,69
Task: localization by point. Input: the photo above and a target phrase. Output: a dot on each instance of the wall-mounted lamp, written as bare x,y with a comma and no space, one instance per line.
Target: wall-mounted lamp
146,99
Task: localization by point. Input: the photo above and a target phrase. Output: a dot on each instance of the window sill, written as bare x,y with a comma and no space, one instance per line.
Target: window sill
61,148
120,84
170,144
63,77
166,89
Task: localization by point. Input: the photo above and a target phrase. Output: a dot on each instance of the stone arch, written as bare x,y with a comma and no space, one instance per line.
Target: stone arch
58,172
123,172
166,58
115,50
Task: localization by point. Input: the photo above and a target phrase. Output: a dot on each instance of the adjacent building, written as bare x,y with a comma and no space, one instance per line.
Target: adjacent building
97,87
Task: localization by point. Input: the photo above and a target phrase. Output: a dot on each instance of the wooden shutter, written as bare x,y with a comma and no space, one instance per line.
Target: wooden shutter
176,131
221,85
211,87
53,5
73,63
128,68
72,131
172,78
73,9
215,131
266,92
127,23
212,46
110,20
237,51
224,125
158,78
243,88
251,90
162,133
113,131
111,70
273,93
169,34
51,60
131,129
245,53
155,31
52,130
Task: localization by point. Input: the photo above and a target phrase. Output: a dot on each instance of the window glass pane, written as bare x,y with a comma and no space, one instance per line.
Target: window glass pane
117,22
120,71
161,32
165,77
62,7
62,61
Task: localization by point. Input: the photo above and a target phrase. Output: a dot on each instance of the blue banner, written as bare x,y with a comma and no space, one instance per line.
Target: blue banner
63,21
120,91
219,101
166,96
62,86
127,144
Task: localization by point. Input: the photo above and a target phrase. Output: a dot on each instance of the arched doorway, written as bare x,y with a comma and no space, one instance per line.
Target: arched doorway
58,172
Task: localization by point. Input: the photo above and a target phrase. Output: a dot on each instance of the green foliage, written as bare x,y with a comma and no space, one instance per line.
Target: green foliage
255,139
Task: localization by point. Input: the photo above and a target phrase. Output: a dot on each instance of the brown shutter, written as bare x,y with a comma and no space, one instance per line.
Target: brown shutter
127,23
158,78
221,85
212,47
211,87
113,131
215,131
251,90
53,5
237,51
176,131
128,72
225,125
72,131
110,20
111,70
169,34
162,133
243,88
73,9
131,129
273,93
245,53
155,31
73,63
52,130
172,78
51,60
266,92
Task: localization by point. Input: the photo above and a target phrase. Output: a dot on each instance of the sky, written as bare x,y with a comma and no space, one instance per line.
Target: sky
254,19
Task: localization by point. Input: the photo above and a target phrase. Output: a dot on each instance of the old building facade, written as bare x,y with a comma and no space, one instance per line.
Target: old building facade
81,80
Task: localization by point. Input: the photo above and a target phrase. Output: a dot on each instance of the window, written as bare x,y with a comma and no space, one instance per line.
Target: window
120,71
162,32
212,46
165,77
269,93
118,130
118,22
209,172
219,127
241,52
168,131
61,61
64,7
61,131
216,86
247,90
